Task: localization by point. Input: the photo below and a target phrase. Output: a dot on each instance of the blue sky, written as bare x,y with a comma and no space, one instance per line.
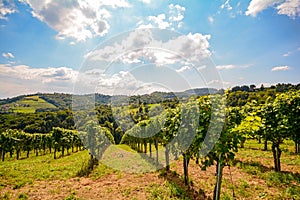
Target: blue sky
53,46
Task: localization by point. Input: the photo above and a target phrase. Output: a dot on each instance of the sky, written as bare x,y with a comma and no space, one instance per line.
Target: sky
134,47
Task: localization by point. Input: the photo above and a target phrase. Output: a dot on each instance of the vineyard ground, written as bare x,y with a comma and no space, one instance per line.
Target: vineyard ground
250,177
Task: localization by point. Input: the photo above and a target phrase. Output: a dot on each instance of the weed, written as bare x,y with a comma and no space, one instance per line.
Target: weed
263,195
293,192
6,196
19,185
72,197
119,175
162,173
22,197
225,196
109,190
127,192
156,191
175,190
242,188
174,173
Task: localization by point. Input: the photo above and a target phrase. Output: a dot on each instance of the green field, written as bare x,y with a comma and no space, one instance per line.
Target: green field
29,104
249,177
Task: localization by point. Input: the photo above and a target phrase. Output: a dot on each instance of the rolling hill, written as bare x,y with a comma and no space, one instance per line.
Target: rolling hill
59,101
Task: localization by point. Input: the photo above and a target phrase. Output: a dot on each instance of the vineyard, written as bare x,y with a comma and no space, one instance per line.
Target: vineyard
203,133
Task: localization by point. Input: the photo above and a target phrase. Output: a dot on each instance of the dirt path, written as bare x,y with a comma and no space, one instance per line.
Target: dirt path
113,186
140,186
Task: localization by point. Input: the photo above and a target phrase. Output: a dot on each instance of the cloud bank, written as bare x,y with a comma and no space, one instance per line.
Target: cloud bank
22,79
290,8
79,20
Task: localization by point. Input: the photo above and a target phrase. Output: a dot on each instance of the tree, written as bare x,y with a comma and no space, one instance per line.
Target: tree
289,105
251,122
236,88
245,88
98,140
57,134
276,124
252,87
294,118
189,114
227,141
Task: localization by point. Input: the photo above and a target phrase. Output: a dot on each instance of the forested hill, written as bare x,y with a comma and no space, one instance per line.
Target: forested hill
61,101
42,102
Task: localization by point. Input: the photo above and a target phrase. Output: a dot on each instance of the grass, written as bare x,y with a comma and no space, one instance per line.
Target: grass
123,158
168,190
259,164
253,176
253,152
21,172
72,196
22,196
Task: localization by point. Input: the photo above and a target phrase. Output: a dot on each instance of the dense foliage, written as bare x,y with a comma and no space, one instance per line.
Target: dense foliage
59,139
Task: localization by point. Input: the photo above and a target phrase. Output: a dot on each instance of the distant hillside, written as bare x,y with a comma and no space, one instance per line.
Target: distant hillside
59,101
26,104
196,92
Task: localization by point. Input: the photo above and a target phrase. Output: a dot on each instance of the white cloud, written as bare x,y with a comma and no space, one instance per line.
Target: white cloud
6,8
176,13
287,54
183,69
79,20
257,6
45,75
21,79
227,67
96,80
226,5
218,83
220,67
119,83
290,8
281,68
141,45
211,19
159,21
8,55
173,19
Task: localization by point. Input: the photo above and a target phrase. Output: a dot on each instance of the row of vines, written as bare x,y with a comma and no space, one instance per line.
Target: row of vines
94,138
58,140
218,132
